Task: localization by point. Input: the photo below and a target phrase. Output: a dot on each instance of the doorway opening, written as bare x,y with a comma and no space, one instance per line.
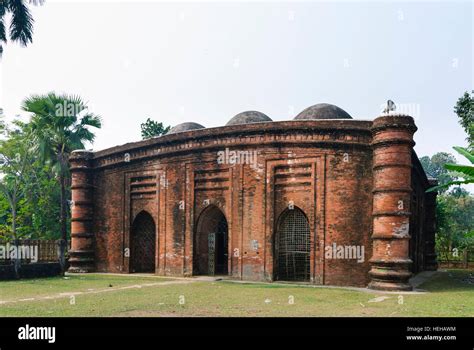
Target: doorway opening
210,253
143,241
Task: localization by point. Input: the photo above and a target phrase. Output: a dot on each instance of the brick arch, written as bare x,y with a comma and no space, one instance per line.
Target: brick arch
143,243
292,246
211,221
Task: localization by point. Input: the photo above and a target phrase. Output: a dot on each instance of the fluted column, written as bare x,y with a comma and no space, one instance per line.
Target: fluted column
392,165
81,255
431,263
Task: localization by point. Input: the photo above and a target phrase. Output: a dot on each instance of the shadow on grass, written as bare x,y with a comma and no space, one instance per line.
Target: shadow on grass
452,280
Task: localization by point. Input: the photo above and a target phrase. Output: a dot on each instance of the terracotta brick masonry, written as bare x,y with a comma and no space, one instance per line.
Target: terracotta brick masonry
329,201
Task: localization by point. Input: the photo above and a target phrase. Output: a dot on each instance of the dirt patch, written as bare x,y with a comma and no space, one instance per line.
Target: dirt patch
469,279
95,291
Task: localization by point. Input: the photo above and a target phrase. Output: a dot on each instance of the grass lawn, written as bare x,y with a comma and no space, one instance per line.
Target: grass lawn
449,293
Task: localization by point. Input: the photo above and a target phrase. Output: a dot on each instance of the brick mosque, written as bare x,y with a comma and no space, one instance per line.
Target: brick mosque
322,199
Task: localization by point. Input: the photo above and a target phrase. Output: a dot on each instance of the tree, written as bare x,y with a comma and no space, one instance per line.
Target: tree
455,227
465,110
21,26
38,206
152,128
15,158
59,125
455,210
434,167
39,211
464,171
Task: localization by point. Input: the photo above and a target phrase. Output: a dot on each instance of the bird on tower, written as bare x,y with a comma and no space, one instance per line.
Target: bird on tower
390,107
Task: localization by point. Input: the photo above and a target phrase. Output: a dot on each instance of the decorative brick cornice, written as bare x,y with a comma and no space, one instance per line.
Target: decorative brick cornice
323,133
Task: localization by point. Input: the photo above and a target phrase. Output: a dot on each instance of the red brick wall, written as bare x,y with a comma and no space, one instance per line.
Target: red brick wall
323,167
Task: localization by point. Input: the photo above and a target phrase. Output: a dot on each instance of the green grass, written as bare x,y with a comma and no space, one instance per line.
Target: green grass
448,294
31,288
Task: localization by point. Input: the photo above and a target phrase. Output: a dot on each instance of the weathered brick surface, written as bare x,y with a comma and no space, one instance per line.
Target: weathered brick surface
327,168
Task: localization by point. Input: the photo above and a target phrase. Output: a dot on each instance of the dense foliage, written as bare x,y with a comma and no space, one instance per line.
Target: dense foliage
455,205
152,128
455,223
34,166
434,167
465,110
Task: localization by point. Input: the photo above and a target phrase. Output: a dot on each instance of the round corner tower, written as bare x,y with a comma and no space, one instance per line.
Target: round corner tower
81,255
392,166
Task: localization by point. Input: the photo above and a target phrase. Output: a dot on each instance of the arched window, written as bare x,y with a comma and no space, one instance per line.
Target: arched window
143,241
292,246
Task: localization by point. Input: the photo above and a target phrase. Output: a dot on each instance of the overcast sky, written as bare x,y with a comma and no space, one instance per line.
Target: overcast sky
206,61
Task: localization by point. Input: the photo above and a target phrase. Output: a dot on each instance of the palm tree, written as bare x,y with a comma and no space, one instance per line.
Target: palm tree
59,125
21,26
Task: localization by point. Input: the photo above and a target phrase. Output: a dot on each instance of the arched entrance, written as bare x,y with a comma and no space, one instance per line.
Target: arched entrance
292,247
143,238
210,253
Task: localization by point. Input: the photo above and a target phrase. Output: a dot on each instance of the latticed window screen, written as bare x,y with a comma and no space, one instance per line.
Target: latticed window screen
143,244
221,247
293,247
211,261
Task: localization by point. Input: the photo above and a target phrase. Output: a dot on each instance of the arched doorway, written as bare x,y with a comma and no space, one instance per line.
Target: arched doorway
143,238
292,247
210,253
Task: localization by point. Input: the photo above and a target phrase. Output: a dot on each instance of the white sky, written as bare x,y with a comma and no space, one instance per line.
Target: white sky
207,61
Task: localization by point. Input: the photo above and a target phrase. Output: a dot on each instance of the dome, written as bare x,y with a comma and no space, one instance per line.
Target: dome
323,111
185,127
249,117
